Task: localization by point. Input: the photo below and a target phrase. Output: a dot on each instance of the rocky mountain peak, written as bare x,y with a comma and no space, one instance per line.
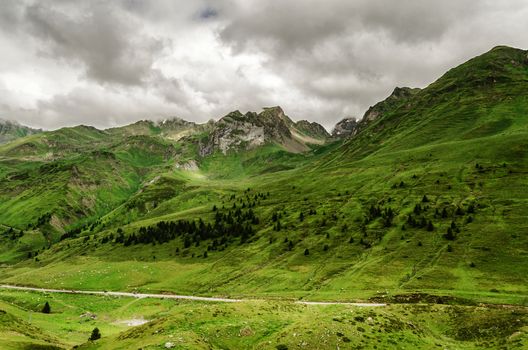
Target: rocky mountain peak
344,128
237,131
312,129
11,130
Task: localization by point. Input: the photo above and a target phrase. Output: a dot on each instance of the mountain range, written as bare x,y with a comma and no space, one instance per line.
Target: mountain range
425,194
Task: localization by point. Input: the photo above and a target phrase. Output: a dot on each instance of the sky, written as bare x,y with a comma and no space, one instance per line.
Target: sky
110,63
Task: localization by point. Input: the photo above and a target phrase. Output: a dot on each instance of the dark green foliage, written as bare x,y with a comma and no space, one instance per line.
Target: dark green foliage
450,234
95,334
306,252
46,309
233,224
430,226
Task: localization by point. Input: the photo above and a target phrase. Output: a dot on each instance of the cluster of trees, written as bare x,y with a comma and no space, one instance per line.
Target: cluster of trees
44,219
233,224
375,211
420,222
12,234
452,231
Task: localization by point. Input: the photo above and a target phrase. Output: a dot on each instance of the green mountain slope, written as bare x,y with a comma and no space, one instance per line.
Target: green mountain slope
428,195
10,131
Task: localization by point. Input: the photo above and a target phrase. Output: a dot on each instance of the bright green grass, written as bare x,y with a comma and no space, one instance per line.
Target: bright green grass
462,142
251,325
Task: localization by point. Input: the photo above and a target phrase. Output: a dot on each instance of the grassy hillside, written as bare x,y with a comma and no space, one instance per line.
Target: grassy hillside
126,323
428,197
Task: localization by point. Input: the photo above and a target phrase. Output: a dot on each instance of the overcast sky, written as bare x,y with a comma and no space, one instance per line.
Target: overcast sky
108,63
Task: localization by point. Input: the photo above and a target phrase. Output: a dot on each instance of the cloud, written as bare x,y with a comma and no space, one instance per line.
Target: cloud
105,41
104,63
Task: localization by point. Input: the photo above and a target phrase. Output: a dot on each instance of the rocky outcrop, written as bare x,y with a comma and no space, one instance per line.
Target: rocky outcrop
345,128
237,131
397,96
312,129
349,127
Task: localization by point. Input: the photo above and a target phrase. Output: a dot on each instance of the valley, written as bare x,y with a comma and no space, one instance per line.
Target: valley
420,205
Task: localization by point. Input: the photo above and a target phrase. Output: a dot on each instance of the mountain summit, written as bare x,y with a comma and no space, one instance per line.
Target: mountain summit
237,131
10,130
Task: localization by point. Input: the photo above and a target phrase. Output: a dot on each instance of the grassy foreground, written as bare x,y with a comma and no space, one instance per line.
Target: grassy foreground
251,325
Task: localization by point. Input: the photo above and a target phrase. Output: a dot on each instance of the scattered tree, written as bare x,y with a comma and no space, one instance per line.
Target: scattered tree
430,226
95,334
46,309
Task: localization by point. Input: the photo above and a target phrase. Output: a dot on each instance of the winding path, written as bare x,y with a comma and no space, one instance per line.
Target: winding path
172,296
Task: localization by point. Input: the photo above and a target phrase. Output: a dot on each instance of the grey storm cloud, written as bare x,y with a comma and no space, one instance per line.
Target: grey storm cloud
106,63
99,38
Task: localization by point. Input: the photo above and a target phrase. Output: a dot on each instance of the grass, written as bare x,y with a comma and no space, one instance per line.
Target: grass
257,324
453,155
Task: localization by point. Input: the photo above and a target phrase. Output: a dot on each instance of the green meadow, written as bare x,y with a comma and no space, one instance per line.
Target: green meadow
424,209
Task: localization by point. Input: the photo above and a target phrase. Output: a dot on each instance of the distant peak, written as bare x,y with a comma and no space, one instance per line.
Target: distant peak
404,91
345,127
277,109
506,48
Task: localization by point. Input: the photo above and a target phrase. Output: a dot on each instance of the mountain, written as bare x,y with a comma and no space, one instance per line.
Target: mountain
345,128
349,126
424,202
11,130
237,131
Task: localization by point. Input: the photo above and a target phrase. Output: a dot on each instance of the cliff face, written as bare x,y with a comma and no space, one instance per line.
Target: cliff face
345,128
237,131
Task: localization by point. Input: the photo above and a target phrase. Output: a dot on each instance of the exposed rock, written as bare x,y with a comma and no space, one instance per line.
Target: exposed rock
190,165
350,127
399,94
237,131
312,129
345,128
89,315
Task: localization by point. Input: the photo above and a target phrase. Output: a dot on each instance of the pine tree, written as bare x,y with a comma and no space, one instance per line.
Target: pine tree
46,309
430,226
95,334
